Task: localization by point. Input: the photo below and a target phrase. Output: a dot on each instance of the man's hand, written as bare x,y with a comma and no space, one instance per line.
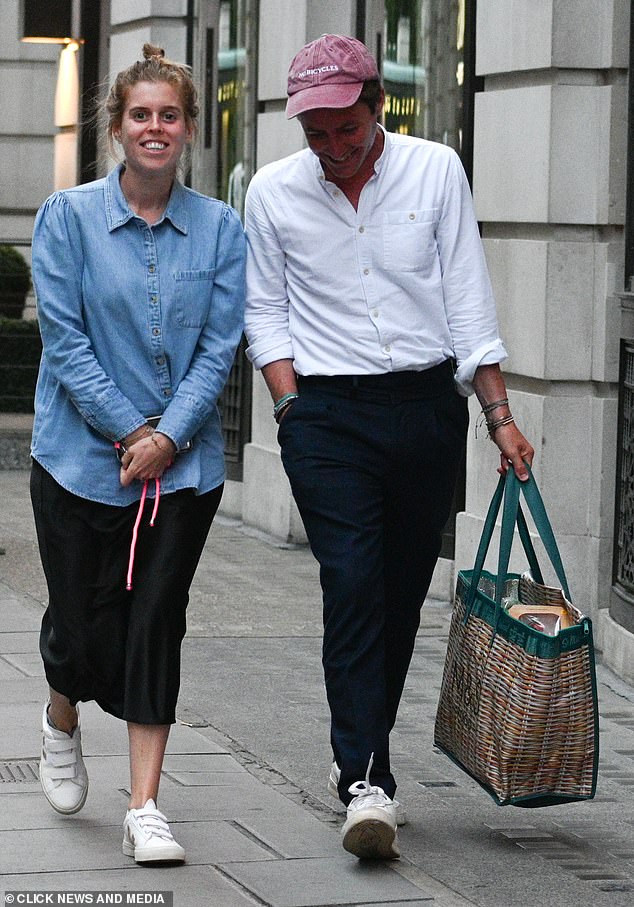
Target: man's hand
490,389
514,450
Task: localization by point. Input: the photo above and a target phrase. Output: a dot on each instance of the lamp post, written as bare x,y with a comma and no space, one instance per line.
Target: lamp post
57,22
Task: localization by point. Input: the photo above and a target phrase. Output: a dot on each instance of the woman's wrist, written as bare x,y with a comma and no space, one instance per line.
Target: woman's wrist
144,431
164,443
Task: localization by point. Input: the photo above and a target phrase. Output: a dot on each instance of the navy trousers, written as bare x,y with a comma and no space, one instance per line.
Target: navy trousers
372,462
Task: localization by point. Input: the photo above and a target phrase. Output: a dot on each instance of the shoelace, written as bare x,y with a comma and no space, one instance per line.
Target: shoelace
135,528
365,794
153,823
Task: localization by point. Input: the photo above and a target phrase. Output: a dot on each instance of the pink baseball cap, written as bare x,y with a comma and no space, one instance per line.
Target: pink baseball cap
328,72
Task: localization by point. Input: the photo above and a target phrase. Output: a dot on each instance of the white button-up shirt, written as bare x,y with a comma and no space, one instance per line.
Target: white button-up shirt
399,284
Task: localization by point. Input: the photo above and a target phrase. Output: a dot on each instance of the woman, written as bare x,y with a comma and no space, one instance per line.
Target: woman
140,289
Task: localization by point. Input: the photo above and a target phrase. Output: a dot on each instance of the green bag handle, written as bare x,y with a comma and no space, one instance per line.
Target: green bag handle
510,514
485,541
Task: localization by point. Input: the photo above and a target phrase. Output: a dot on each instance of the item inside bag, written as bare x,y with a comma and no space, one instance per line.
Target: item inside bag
548,619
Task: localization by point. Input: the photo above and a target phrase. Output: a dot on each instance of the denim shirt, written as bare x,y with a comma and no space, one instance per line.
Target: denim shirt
136,321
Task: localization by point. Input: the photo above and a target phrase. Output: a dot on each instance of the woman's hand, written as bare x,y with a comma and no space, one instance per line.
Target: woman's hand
146,458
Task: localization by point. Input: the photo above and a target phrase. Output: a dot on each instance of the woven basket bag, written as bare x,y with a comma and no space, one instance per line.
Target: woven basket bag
518,708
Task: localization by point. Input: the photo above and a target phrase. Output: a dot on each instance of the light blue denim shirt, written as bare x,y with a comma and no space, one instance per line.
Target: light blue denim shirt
136,321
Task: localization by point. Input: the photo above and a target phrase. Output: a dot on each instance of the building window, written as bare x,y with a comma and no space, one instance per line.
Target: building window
232,134
624,536
622,599
225,163
424,68
429,78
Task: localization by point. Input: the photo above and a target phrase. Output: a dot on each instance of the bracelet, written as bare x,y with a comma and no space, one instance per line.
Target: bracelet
282,403
491,406
282,409
493,426
160,446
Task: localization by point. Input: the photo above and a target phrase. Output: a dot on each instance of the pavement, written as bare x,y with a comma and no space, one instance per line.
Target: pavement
244,780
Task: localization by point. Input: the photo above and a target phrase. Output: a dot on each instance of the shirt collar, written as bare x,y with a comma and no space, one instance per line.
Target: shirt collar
118,212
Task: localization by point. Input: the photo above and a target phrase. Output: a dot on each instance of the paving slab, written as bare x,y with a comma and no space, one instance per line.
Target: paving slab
190,886
325,883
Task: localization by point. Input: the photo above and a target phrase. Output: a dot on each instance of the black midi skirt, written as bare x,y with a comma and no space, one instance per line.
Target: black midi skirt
98,640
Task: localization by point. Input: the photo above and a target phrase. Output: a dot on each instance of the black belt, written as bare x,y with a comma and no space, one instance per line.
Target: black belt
407,384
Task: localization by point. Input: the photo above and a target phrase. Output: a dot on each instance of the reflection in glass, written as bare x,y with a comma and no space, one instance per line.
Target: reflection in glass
233,134
423,68
233,141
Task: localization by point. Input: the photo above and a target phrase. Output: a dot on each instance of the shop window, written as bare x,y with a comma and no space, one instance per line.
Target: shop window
429,78
623,548
622,598
225,165
424,68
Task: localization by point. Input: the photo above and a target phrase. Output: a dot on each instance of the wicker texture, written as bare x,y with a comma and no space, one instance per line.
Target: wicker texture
521,723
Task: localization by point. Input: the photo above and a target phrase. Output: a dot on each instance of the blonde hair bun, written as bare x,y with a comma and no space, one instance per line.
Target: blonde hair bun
151,52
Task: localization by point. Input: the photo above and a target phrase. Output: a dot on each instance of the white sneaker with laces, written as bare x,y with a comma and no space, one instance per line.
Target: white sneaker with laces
369,831
333,789
147,836
63,774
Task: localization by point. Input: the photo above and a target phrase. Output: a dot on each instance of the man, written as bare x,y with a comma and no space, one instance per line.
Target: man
371,315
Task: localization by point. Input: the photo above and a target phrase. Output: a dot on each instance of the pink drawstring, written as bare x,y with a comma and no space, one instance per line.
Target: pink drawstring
135,529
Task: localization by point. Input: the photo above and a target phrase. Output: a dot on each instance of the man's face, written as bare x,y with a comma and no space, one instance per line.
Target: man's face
342,139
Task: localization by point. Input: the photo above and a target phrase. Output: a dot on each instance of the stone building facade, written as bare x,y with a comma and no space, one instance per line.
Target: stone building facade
534,95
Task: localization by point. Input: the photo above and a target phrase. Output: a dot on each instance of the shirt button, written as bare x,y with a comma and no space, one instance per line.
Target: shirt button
152,269
160,360
167,391
153,298
412,217
336,193
375,313
156,332
388,348
366,270
361,229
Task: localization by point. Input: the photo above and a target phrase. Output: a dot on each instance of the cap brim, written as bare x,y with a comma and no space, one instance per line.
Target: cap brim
320,96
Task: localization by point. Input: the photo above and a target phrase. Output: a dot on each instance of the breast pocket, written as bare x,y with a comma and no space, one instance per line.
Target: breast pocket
193,296
409,240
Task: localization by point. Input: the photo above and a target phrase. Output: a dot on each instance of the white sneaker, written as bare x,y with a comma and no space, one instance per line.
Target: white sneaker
63,774
147,836
369,831
333,789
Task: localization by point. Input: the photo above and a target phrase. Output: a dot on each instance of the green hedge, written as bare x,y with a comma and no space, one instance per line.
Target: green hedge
20,351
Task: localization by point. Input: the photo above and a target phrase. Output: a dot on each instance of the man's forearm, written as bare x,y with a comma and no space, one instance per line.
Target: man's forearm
280,378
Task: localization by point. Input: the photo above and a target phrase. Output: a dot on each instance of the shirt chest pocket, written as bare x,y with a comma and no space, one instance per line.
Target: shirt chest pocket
409,240
192,295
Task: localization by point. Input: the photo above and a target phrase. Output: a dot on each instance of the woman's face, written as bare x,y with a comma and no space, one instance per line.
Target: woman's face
153,130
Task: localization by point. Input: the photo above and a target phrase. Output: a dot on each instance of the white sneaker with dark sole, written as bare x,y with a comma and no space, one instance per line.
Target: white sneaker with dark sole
369,831
147,836
333,790
63,774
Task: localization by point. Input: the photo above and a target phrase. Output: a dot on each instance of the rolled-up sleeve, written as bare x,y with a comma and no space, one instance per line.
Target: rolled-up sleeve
468,295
